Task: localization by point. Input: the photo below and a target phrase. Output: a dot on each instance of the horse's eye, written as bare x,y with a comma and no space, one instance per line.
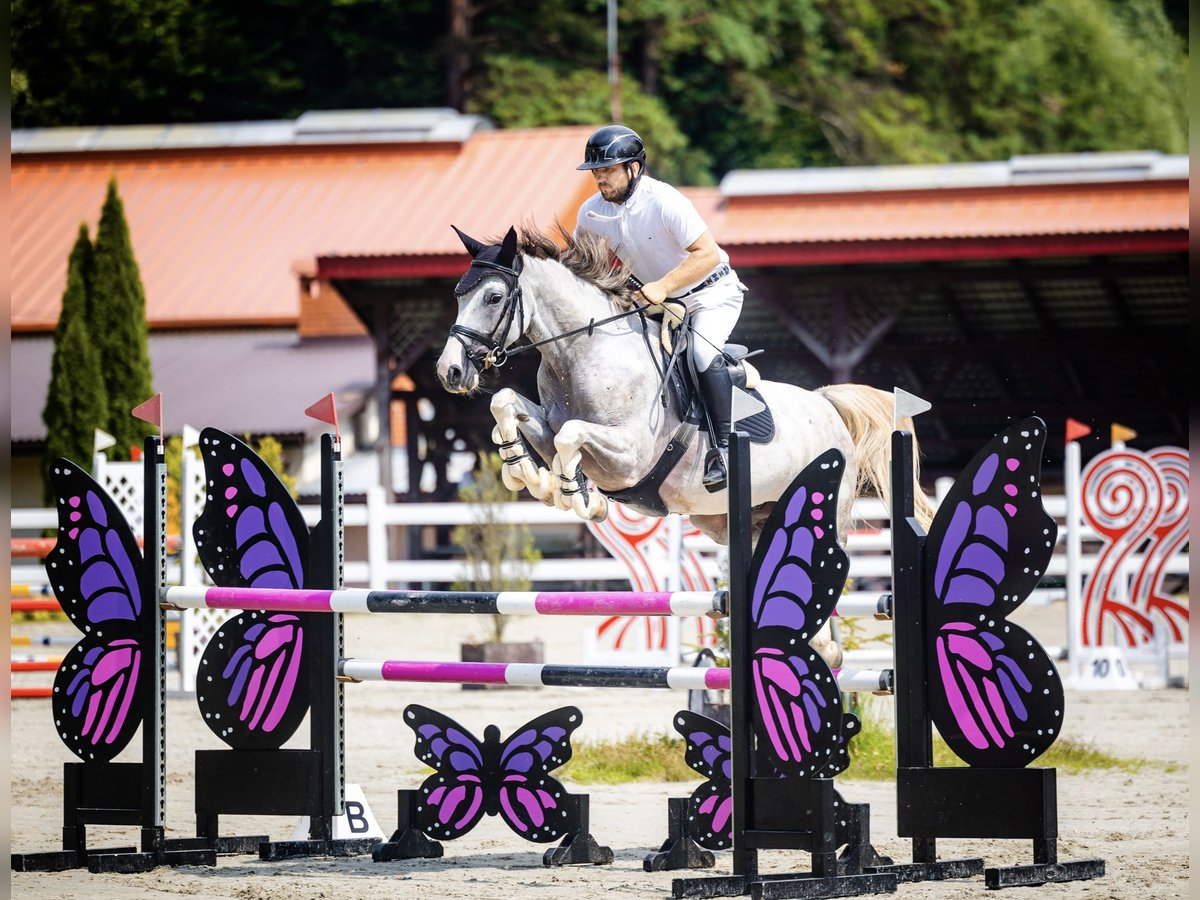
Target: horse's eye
493,297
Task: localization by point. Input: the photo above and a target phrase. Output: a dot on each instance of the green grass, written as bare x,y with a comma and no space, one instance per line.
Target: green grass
873,754
654,757
640,757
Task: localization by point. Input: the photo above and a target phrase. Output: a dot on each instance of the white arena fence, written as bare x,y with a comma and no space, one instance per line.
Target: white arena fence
371,529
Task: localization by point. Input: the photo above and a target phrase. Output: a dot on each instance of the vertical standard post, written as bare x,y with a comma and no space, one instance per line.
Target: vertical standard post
914,737
745,859
1074,524
153,692
326,716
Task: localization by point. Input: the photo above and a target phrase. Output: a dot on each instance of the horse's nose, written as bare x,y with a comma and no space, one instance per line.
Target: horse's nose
454,377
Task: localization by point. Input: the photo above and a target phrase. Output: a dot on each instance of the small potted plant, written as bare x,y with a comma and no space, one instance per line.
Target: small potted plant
498,556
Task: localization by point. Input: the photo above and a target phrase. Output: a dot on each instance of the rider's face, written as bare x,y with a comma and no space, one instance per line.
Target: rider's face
612,181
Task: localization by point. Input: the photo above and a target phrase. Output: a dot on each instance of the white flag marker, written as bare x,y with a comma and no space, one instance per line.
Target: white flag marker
744,405
102,440
191,436
907,404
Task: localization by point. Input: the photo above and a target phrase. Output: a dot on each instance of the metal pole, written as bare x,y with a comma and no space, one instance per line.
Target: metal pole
614,63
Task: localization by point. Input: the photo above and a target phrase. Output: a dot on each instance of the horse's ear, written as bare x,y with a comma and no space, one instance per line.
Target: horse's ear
473,246
508,249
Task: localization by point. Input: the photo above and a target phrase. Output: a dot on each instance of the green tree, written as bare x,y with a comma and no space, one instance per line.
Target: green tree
118,326
76,400
713,84
498,556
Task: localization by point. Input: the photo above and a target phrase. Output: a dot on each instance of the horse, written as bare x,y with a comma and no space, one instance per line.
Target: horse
598,416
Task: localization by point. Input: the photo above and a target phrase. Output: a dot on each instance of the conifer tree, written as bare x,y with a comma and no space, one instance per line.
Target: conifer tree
118,326
76,401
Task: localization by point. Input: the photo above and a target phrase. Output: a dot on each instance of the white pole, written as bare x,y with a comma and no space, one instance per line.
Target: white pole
674,627
377,552
1074,524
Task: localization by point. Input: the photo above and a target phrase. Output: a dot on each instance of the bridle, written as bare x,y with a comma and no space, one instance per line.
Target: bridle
489,350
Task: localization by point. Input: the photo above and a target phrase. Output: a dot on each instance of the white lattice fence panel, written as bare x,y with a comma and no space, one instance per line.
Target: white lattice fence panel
123,481
197,626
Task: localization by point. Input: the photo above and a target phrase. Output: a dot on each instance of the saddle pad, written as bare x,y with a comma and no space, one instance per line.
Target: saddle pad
761,425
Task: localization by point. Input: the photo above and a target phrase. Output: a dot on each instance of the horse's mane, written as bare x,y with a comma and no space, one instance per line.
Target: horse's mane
587,256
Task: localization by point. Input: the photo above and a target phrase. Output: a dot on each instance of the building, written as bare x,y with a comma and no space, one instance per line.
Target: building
285,260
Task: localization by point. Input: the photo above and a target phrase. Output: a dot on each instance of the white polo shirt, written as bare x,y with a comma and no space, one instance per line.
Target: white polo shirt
650,232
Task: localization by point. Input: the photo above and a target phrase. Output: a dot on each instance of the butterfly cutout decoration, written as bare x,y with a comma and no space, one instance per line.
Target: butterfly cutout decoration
252,685
508,778
708,750
94,571
796,578
995,695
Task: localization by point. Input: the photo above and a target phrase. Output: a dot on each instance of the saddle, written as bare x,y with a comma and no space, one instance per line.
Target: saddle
680,383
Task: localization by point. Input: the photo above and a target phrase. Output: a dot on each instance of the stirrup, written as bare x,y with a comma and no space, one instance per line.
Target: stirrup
715,470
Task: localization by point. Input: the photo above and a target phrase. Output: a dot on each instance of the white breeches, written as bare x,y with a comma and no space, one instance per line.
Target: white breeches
715,312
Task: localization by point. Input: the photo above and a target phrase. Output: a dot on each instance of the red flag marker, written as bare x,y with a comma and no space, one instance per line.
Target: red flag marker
1076,430
150,411
325,410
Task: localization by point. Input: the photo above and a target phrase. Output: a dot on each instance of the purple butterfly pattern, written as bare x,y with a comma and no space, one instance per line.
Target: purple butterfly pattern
94,572
508,778
995,695
796,578
708,750
252,687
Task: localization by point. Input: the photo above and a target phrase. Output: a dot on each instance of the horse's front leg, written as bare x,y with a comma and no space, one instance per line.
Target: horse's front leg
520,418
609,445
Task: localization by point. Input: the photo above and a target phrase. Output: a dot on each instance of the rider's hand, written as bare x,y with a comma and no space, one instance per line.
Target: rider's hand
653,292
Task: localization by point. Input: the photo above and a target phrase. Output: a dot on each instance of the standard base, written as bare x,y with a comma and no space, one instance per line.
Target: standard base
679,850
932,871
277,850
123,860
780,886
1043,873
578,849
407,843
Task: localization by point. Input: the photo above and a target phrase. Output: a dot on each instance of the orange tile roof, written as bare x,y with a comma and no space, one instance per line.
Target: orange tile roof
978,216
219,235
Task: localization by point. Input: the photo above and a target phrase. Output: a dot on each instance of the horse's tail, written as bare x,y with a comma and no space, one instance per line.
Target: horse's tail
868,414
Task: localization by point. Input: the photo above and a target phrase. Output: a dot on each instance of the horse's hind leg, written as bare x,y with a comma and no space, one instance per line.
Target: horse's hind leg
518,418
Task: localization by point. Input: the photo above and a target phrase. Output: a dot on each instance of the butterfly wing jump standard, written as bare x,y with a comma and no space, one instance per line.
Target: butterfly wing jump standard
111,681
252,687
989,687
794,581
996,696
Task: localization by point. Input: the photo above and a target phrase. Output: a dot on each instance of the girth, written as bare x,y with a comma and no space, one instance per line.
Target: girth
644,496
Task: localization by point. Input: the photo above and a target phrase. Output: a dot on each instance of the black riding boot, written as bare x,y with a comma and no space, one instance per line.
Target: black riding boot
716,387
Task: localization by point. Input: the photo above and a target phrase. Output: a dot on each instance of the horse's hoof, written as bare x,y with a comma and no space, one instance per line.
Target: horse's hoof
832,654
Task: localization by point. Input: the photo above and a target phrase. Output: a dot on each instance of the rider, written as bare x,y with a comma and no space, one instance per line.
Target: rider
659,234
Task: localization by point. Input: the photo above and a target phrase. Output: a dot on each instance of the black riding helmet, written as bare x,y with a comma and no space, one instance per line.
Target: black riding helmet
614,145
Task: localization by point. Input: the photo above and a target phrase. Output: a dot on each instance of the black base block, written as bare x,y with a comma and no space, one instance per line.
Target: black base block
932,871
578,849
123,860
273,851
407,843
679,850
59,860
240,845
1043,873
780,886
132,863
